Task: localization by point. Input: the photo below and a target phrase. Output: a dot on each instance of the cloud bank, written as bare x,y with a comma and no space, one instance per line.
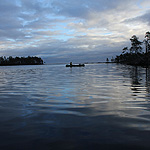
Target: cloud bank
69,30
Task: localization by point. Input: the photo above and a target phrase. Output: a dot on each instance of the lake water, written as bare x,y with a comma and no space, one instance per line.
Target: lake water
99,106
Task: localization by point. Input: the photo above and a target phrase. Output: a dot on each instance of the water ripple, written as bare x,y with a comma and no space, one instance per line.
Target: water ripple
95,90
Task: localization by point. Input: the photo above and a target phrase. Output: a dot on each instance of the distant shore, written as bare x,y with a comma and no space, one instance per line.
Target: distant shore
139,59
134,55
10,61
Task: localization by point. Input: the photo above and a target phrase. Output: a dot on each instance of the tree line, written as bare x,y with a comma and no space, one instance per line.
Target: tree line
135,55
20,60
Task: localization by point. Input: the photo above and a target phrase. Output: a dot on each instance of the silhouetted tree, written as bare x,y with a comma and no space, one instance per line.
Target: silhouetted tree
135,45
125,49
135,57
107,60
146,41
21,61
112,59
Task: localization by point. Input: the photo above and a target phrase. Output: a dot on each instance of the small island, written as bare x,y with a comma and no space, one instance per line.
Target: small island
10,61
134,55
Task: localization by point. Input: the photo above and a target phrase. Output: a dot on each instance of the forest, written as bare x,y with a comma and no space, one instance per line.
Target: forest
135,55
7,61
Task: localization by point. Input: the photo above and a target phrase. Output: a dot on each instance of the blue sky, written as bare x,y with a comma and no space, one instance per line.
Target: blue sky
71,30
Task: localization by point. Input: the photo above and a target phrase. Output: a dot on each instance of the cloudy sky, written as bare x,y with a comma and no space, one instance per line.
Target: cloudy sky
71,30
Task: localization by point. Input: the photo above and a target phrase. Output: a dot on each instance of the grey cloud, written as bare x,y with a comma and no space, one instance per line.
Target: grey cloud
33,25
10,24
82,8
145,18
8,7
17,16
70,8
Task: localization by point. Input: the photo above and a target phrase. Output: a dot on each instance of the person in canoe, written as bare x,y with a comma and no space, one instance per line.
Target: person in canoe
75,65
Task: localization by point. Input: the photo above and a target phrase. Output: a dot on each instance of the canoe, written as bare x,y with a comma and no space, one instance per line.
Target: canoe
79,65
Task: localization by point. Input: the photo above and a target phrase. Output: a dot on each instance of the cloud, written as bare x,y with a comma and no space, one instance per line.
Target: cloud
144,18
77,29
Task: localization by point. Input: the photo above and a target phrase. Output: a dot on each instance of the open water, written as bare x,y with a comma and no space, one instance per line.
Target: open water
99,106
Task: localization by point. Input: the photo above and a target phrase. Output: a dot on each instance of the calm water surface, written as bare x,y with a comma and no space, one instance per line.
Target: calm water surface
100,106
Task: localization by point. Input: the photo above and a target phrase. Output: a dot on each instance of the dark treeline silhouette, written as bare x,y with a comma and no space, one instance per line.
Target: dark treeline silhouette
134,55
139,59
20,61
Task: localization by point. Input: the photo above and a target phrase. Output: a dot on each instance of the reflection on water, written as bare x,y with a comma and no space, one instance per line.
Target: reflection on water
54,107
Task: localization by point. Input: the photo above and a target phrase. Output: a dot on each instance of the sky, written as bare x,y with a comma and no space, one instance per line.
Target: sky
61,31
